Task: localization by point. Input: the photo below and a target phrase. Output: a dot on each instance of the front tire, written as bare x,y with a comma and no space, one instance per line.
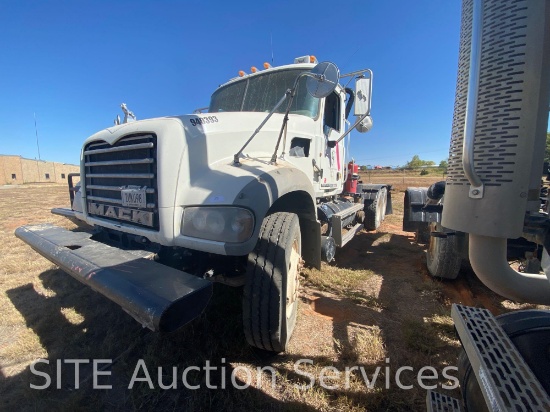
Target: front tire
270,298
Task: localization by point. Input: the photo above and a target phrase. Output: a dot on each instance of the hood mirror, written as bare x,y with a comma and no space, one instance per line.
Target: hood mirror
322,79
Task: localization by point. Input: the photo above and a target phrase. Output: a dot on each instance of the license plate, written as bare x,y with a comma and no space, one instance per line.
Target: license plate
134,197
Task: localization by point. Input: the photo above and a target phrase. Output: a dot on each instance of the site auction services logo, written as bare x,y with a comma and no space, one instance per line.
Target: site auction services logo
241,377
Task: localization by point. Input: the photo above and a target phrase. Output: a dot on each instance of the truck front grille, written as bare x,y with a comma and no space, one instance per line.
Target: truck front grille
109,169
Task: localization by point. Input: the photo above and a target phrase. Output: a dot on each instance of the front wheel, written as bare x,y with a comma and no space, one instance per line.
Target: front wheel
270,298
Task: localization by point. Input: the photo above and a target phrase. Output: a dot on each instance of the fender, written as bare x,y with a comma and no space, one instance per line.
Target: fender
369,191
263,192
418,211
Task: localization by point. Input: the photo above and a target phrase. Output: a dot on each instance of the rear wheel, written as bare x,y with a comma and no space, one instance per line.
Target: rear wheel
375,211
270,299
442,257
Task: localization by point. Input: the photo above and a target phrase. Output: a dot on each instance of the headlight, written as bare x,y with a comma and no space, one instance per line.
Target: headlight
223,224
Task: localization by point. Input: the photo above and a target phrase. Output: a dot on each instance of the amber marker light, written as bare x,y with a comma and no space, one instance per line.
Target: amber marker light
312,59
253,69
241,73
267,65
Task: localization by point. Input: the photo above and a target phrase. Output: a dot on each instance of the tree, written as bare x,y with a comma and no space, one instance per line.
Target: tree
416,163
443,165
547,150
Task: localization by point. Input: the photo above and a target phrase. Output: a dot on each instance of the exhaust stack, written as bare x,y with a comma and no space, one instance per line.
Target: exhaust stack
498,135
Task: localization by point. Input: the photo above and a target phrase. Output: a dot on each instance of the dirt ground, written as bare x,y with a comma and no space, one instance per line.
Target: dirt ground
361,320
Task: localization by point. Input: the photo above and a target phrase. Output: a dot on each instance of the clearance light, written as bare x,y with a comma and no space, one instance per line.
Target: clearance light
267,65
253,69
241,73
305,59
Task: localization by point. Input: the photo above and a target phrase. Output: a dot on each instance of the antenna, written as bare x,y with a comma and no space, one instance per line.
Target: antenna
36,132
271,34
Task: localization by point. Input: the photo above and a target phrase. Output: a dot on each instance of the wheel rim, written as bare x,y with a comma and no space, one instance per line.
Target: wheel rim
292,279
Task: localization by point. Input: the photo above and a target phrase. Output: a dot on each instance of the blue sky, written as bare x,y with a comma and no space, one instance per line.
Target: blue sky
73,63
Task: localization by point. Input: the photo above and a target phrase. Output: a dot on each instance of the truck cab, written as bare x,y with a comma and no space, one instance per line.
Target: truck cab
243,193
312,121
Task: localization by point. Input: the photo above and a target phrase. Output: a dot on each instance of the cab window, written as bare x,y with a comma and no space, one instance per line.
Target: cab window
260,93
332,111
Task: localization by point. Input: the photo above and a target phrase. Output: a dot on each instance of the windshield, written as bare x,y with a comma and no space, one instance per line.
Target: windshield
261,93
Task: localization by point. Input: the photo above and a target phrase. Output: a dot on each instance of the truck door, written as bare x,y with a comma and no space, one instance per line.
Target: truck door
333,158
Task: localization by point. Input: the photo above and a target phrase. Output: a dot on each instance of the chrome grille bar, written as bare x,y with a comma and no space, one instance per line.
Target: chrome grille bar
115,201
114,188
122,175
120,162
125,148
126,140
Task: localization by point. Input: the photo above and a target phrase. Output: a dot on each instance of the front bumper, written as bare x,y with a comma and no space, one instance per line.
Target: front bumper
157,296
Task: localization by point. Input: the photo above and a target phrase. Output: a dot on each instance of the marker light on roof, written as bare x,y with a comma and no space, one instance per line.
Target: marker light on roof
305,59
241,73
253,69
267,65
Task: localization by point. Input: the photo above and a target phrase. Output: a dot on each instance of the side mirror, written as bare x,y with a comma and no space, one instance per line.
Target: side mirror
363,94
322,79
364,125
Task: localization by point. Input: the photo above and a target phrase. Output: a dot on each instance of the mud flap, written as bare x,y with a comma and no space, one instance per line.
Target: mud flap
157,296
417,211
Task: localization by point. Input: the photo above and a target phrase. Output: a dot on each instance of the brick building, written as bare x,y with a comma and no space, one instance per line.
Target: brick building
18,170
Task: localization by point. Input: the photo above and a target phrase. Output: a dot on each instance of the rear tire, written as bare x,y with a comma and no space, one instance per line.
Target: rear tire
442,257
375,211
270,298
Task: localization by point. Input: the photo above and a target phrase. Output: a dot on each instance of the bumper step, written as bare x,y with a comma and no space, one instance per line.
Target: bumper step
506,381
437,402
157,296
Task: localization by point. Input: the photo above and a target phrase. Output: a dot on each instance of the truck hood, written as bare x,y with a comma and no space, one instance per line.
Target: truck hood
195,152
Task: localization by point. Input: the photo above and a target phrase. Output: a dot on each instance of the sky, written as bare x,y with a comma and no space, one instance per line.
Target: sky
70,64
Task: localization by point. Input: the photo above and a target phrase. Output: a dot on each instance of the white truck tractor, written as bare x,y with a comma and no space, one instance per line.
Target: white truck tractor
492,194
243,194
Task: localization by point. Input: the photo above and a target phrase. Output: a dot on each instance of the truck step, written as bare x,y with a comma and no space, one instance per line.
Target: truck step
507,383
347,212
349,234
336,221
437,402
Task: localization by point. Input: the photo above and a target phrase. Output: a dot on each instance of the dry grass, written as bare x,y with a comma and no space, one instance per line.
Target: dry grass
400,180
337,279
373,308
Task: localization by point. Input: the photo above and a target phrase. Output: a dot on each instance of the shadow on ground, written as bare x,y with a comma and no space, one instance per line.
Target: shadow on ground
76,323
